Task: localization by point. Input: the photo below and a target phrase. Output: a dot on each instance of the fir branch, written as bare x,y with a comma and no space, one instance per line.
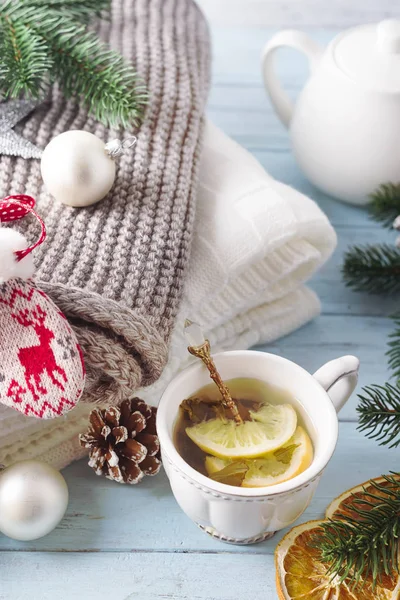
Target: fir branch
82,10
364,543
385,204
58,45
379,414
87,68
24,60
372,268
394,349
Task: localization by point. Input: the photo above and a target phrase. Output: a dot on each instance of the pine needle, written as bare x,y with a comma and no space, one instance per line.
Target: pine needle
376,269
47,41
372,268
24,60
379,414
394,349
366,543
385,204
82,10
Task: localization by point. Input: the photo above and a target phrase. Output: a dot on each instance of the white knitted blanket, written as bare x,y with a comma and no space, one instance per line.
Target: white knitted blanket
256,242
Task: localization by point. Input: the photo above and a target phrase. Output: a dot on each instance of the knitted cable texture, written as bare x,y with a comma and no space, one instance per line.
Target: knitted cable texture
243,293
116,269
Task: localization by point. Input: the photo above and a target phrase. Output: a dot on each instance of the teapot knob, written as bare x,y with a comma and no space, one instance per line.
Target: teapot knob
389,36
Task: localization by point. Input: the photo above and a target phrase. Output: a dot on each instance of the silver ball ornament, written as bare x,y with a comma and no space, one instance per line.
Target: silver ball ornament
33,500
76,168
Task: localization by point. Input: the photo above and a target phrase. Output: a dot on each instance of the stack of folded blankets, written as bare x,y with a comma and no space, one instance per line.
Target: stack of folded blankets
194,228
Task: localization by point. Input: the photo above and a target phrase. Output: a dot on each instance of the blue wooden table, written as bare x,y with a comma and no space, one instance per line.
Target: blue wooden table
118,542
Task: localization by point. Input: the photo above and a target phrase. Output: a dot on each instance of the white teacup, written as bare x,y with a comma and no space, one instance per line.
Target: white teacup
248,515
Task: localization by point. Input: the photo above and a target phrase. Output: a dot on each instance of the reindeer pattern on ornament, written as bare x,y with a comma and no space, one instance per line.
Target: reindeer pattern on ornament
42,379
42,373
40,358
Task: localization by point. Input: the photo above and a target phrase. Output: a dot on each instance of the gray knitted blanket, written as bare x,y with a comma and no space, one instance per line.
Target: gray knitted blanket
116,269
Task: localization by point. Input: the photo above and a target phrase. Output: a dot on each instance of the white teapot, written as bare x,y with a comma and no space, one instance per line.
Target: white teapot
345,127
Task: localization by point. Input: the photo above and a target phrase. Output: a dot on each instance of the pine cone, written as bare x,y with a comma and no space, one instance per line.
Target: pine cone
122,441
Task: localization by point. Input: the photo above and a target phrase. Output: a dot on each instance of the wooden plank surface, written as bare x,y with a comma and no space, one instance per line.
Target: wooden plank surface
137,576
125,542
105,517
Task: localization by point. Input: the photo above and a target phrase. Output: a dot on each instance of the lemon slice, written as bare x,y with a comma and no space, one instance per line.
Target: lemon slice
271,427
275,467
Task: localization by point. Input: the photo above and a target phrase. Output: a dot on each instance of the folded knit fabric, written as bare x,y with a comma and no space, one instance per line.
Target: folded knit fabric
116,269
256,241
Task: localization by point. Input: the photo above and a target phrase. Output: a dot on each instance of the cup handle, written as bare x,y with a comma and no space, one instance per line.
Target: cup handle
339,378
293,39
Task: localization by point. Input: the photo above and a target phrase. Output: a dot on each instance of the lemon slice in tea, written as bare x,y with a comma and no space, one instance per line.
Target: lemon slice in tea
269,428
275,467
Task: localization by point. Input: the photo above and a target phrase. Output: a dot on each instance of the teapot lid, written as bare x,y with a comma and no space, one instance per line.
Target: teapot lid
370,55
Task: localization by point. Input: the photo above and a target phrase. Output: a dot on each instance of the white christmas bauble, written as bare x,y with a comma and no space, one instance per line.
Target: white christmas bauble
76,168
33,500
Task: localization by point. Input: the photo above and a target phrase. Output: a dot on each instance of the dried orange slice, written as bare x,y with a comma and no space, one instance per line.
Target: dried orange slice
343,503
300,574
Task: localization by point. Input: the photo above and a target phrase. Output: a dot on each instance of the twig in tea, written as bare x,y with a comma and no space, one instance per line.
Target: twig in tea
201,348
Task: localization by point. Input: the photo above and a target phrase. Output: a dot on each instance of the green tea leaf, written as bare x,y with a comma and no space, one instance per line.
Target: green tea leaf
232,474
285,454
202,409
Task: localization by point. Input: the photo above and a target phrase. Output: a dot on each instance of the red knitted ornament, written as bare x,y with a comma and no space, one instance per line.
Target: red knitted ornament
41,368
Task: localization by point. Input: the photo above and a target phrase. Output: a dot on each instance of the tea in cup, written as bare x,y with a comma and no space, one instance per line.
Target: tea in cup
270,446
230,494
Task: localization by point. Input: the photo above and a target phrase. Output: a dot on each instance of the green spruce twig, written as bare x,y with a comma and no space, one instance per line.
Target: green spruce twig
24,62
379,414
81,10
47,41
365,542
385,204
376,269
394,349
372,268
